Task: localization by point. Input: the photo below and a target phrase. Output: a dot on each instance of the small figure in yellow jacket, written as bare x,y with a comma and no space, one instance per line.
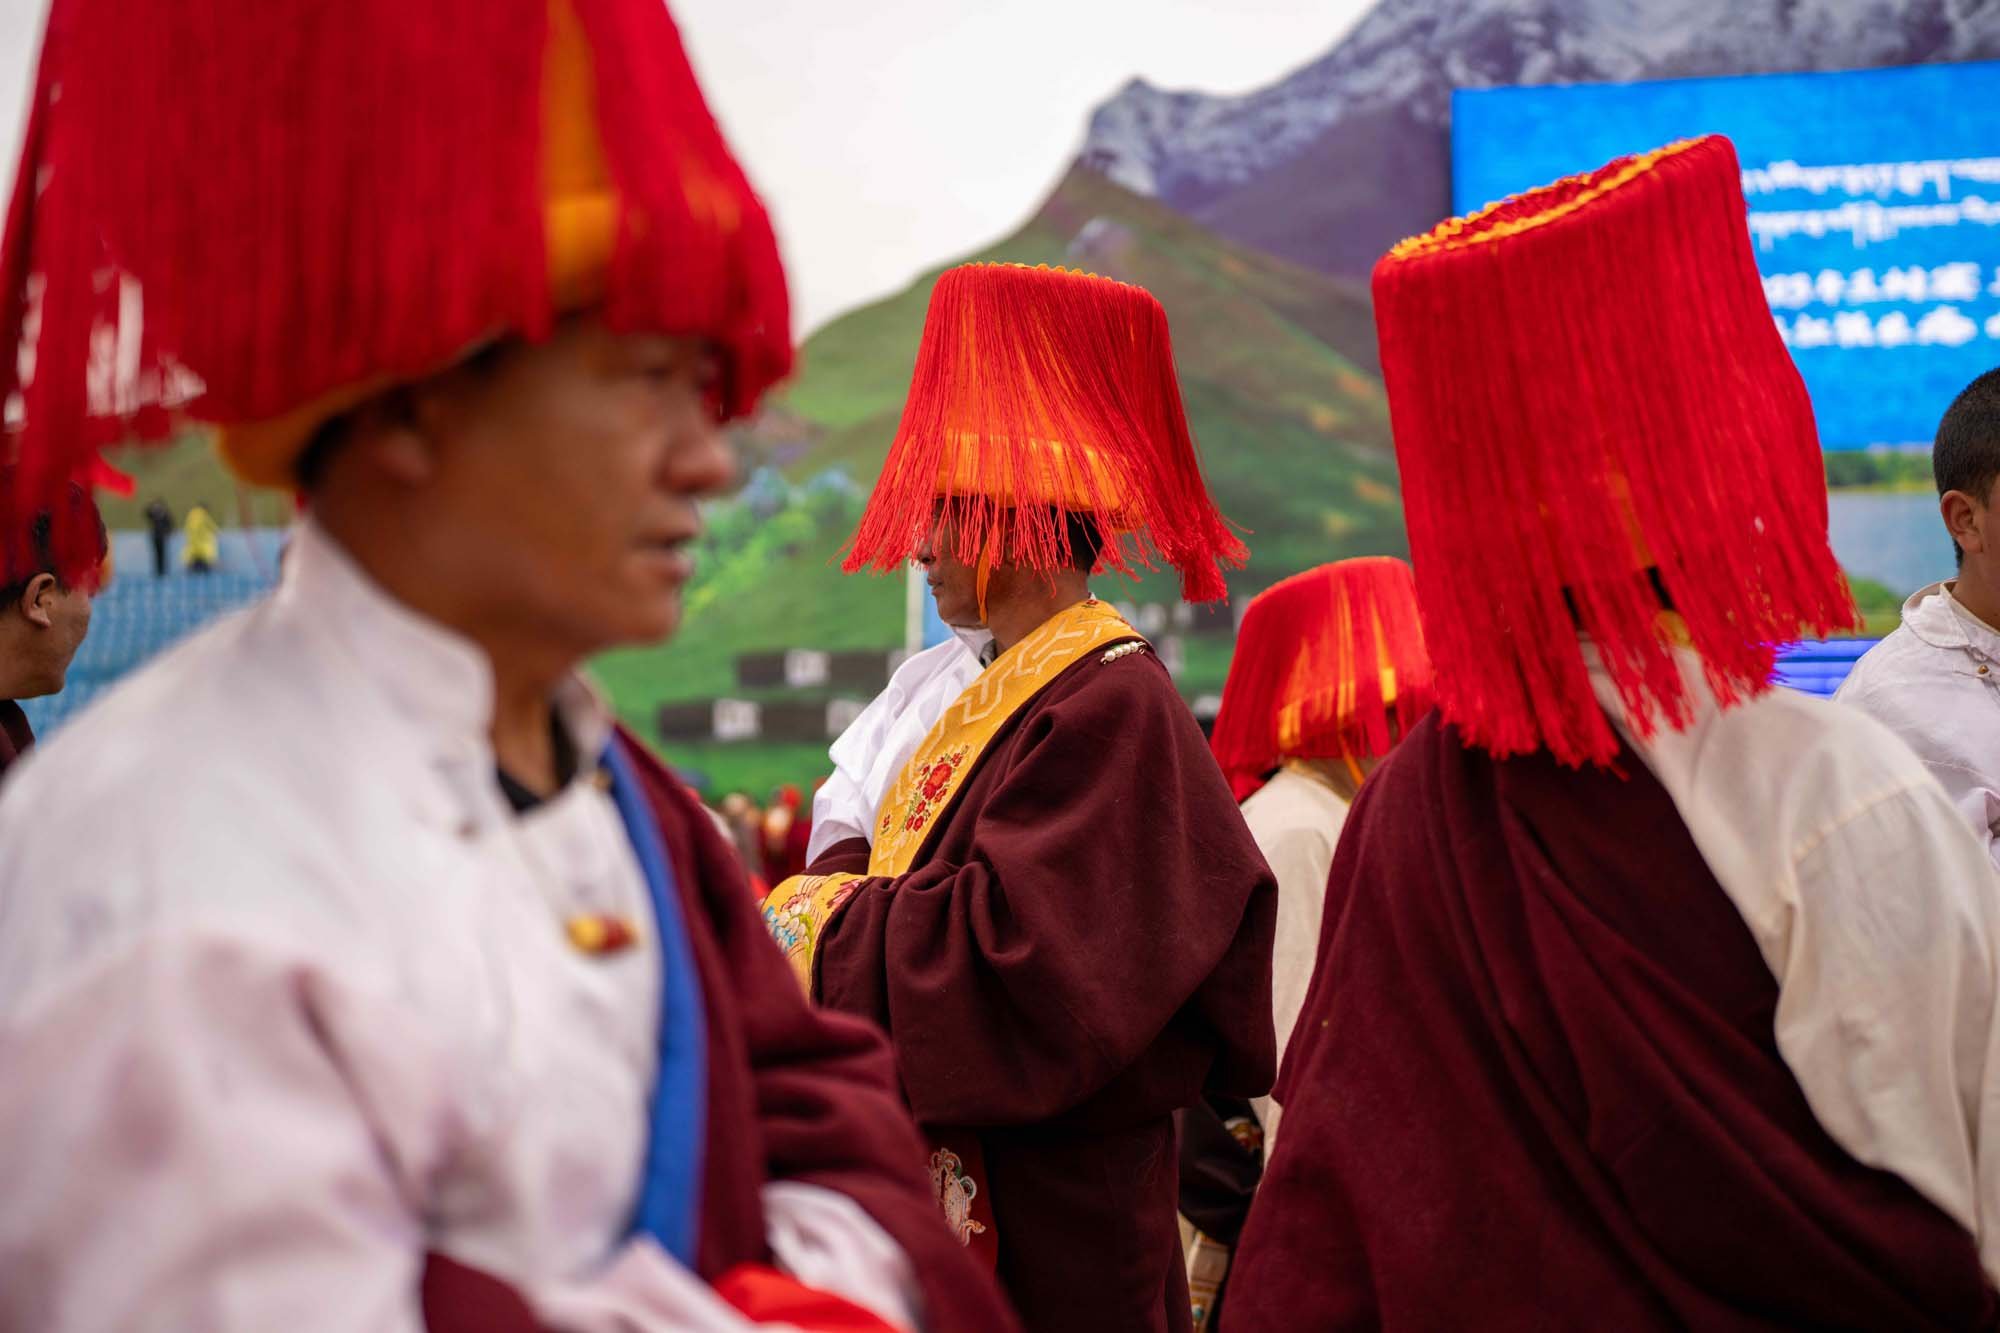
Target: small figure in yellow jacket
202,551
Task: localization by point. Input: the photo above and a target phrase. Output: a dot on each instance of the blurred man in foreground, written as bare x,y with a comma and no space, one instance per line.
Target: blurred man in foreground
429,998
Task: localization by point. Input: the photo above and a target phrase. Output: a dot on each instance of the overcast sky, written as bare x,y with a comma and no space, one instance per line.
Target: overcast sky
890,135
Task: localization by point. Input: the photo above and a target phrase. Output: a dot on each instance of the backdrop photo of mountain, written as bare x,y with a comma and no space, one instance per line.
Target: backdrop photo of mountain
1255,219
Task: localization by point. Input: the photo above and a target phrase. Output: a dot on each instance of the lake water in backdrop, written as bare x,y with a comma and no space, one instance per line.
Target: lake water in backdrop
1893,537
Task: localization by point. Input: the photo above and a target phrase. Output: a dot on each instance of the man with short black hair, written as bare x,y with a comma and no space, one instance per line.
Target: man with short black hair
44,615
1933,681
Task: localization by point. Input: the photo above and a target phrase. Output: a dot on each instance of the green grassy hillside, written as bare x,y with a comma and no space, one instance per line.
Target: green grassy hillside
1293,432
1277,370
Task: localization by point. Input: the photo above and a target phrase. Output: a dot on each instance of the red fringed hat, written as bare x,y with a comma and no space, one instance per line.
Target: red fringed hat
28,547
1041,393
1597,422
259,213
1329,664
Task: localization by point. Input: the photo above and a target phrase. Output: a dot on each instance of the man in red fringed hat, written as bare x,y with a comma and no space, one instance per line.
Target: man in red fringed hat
1060,919
1648,997
1329,672
43,615
429,998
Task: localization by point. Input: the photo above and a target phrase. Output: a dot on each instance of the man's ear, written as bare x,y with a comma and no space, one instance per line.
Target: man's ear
391,432
1964,520
38,600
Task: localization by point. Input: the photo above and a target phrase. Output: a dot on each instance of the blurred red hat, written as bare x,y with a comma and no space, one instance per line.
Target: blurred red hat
1328,664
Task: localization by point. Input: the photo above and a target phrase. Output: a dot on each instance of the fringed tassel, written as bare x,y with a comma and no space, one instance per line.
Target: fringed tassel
1329,664
1039,394
1591,405
236,208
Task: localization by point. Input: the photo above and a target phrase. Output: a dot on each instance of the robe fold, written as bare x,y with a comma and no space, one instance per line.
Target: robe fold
1082,946
1535,1086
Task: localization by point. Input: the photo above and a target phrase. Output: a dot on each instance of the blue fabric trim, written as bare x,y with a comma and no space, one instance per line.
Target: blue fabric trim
669,1208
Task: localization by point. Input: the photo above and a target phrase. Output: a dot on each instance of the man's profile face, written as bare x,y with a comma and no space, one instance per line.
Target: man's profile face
569,473
60,619
954,584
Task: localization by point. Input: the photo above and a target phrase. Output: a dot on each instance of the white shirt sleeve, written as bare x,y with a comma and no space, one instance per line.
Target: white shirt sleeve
203,1135
821,1238
839,812
876,745
1299,857
1886,1004
184,1145
826,1241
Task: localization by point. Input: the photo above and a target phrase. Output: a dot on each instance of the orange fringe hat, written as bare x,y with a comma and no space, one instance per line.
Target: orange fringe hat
1042,393
258,215
1596,423
1329,664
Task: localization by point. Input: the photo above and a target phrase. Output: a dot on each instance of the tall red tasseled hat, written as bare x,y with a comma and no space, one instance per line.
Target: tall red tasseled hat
257,213
1041,393
1329,664
1597,422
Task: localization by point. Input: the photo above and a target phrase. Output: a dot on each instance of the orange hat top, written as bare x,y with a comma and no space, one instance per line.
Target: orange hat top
1039,394
257,214
1329,664
1596,423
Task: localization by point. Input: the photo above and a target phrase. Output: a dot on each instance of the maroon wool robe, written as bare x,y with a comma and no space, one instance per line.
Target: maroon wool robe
793,1094
16,736
1535,1086
1082,946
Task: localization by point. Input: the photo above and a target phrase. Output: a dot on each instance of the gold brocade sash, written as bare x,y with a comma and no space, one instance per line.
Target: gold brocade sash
798,910
929,783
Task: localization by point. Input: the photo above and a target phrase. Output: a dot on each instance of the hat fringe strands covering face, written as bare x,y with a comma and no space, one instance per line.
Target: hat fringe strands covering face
1329,664
1041,394
1597,422
429,178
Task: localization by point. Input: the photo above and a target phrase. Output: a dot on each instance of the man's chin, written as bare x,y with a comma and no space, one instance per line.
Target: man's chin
652,622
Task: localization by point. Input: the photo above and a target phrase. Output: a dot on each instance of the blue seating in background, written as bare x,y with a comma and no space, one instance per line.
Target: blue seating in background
133,619
1817,666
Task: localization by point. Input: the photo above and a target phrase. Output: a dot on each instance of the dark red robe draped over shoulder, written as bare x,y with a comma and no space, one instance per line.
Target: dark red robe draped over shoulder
794,1093
1082,946
1535,1086
16,736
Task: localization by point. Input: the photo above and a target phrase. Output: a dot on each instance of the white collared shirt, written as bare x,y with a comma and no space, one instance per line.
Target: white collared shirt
286,1000
1878,913
1935,681
1296,820
876,745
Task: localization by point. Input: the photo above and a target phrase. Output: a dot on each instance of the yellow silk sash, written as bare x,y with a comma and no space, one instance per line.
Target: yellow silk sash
931,780
797,911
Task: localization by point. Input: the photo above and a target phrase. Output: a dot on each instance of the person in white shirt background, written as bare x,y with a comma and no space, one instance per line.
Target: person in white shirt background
1935,680
876,745
1328,673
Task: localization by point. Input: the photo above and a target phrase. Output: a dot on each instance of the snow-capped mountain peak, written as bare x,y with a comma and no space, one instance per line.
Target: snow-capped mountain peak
1405,57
